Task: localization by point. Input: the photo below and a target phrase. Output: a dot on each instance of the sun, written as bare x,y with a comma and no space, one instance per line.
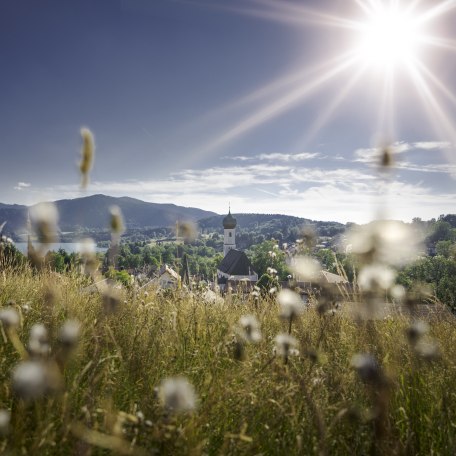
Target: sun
389,37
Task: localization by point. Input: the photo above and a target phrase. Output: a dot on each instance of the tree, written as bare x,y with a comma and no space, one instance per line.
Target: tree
267,255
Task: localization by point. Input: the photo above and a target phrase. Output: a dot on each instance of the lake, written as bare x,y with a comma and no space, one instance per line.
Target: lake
69,247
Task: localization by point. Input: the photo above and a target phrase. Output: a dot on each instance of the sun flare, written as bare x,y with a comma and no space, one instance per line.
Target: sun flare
389,37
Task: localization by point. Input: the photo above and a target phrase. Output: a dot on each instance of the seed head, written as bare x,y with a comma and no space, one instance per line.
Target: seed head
367,368
9,318
87,155
69,333
374,277
428,350
177,395
306,268
34,379
386,242
291,304
117,223
250,328
416,331
38,341
285,345
5,419
44,218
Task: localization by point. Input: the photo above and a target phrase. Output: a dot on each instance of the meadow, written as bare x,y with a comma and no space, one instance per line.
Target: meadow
341,386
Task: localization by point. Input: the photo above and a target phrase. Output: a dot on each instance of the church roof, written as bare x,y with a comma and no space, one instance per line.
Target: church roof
236,263
229,222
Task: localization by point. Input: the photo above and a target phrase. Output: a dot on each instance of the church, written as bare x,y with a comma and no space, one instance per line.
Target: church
235,268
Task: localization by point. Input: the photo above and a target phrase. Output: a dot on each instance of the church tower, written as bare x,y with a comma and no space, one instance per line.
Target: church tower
229,226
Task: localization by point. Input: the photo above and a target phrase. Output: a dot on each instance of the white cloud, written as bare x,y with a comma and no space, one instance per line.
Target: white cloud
21,185
277,157
431,145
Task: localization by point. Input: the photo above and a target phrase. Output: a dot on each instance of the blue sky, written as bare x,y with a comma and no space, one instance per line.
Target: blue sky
252,102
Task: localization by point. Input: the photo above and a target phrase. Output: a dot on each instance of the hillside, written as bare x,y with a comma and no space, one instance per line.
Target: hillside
267,224
92,213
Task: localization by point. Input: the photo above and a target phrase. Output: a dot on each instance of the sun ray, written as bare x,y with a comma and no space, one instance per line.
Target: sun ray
277,107
328,112
274,88
436,11
437,82
433,109
439,42
386,122
316,17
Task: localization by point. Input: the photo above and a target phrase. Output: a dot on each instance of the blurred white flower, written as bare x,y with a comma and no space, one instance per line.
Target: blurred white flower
285,345
69,333
291,304
388,242
44,218
32,379
306,268
376,276
177,395
9,318
38,340
250,328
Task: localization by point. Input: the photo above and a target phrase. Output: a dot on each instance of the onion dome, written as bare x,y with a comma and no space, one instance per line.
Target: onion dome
229,222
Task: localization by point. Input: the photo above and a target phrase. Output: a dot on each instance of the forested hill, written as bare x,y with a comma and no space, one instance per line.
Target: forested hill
92,213
269,223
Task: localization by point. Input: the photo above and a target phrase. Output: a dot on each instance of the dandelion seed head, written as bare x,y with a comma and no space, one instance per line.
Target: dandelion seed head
306,268
367,367
373,277
416,331
387,242
428,350
285,345
397,292
250,328
291,304
5,419
9,318
177,395
44,218
69,333
31,380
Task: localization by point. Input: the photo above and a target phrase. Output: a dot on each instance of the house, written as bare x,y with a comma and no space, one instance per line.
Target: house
235,269
167,278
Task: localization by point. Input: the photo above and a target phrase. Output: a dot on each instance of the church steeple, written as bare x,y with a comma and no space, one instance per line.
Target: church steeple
229,239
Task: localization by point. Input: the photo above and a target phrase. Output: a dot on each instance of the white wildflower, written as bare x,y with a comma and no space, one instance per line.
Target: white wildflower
306,268
291,304
9,318
250,328
38,340
285,345
44,218
376,276
30,379
177,395
388,242
69,333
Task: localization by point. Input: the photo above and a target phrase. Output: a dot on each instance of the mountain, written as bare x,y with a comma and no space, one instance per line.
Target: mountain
92,213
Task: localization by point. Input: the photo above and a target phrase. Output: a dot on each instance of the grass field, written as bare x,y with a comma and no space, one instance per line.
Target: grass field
106,395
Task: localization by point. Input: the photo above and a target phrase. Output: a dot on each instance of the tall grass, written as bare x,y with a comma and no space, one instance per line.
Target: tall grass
315,403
